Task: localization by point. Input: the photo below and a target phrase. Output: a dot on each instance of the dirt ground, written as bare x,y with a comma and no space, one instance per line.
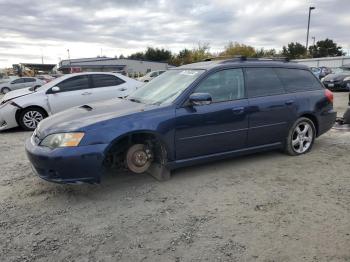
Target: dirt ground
263,207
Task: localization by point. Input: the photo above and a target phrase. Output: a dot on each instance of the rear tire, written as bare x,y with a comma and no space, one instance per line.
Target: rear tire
301,137
5,90
30,117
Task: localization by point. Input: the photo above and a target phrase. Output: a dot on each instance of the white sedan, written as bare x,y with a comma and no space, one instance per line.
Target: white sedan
27,107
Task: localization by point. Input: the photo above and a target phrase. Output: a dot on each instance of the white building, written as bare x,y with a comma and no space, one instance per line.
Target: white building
332,62
106,64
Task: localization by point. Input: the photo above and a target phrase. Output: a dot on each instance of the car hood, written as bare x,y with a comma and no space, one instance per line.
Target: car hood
17,93
336,77
80,118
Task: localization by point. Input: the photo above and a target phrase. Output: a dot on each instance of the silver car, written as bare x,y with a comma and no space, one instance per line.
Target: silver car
19,83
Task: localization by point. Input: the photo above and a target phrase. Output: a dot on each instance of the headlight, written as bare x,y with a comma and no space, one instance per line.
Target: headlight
347,78
62,140
322,79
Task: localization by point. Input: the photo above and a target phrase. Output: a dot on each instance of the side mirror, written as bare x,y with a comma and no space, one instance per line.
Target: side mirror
199,99
55,89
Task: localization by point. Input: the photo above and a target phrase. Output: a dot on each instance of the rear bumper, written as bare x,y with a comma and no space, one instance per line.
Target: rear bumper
326,121
67,165
8,116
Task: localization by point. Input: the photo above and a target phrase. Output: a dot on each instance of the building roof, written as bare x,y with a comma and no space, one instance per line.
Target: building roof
102,60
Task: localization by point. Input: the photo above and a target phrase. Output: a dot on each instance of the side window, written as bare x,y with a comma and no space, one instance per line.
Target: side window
74,83
296,80
18,81
263,82
28,80
154,74
224,85
106,80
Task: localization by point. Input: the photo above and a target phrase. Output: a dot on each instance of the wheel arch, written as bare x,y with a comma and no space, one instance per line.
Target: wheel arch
138,134
20,110
314,120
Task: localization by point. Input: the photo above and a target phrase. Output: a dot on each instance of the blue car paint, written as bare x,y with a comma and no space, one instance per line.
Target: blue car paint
191,135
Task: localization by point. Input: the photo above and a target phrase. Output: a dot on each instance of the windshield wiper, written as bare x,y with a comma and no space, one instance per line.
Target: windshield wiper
134,100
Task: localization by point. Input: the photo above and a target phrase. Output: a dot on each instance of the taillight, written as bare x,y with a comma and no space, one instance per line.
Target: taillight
329,95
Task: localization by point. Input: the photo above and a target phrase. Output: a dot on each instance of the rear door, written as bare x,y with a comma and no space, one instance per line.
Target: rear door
74,91
271,109
108,86
29,82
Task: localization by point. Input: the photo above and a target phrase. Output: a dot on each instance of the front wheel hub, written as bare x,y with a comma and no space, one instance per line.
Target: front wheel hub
138,158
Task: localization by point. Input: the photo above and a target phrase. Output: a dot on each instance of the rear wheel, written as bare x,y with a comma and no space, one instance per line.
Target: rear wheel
29,118
5,90
301,137
139,158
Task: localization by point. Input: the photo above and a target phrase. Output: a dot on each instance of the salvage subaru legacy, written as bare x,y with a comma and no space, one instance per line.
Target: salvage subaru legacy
189,115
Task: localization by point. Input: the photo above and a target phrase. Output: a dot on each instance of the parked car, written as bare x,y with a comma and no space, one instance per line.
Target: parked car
20,83
27,107
149,76
321,72
189,115
45,78
338,81
6,79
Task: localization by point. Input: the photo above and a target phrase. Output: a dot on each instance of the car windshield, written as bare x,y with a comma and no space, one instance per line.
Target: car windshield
165,88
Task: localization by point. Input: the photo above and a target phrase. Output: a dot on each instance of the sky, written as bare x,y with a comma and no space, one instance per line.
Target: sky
30,30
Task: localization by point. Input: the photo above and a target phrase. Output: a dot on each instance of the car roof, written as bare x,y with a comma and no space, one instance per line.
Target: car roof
246,62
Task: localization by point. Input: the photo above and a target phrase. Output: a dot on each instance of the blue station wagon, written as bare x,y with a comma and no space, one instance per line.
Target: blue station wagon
189,115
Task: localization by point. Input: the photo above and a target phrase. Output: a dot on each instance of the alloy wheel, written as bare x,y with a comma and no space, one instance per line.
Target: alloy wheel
31,119
302,137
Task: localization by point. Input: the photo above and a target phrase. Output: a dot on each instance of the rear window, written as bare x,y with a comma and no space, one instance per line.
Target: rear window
295,80
263,82
29,80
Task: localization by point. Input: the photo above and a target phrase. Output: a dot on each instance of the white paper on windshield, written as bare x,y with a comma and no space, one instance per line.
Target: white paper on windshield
188,72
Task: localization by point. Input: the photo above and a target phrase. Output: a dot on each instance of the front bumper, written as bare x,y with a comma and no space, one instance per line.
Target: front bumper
8,116
67,165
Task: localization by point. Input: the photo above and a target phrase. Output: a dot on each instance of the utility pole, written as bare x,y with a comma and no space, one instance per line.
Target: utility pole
42,56
68,54
308,26
314,39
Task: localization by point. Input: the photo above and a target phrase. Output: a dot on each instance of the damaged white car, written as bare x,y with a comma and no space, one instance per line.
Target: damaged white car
27,107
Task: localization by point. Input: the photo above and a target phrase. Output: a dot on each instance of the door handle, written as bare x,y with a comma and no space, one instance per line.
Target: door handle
122,89
289,102
238,110
86,93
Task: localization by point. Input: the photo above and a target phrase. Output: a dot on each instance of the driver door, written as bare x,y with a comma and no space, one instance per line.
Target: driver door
73,91
221,126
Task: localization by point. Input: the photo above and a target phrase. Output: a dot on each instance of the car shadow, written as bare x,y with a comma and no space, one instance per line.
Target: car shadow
124,182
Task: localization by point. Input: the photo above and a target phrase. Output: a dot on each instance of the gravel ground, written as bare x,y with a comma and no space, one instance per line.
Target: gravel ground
263,207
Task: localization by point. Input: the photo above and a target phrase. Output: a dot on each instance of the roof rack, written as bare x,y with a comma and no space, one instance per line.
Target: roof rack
262,59
238,58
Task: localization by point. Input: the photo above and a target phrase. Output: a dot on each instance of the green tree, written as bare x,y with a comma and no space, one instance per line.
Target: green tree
187,56
234,49
294,51
265,52
326,48
156,54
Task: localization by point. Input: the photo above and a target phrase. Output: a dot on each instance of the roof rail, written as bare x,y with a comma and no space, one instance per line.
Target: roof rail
237,58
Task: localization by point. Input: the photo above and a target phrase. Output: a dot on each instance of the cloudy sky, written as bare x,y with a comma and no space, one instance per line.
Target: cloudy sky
30,28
